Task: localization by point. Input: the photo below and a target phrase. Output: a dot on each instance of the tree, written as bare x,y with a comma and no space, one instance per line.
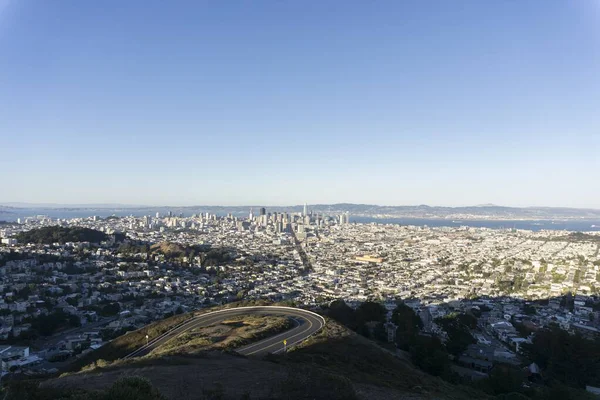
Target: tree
467,320
570,359
73,301
529,309
47,325
503,379
379,332
342,313
429,354
74,321
409,324
370,311
110,309
59,234
459,337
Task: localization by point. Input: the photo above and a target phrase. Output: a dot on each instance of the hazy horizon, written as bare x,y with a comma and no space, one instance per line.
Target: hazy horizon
123,205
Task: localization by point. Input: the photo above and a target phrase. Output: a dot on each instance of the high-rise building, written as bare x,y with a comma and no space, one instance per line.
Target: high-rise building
305,210
251,215
263,211
344,218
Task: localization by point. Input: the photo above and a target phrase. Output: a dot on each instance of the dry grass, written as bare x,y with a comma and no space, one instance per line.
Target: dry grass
225,335
127,343
336,362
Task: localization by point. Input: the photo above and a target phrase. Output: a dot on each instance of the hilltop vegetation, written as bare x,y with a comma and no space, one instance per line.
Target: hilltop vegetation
206,255
62,235
578,237
335,364
569,362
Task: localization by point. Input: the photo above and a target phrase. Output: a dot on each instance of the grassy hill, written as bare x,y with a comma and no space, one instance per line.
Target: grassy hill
334,364
59,234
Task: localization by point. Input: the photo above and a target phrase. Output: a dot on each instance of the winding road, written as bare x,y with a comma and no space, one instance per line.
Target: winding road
306,323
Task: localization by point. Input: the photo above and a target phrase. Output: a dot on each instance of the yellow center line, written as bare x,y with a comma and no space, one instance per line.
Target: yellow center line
269,338
277,343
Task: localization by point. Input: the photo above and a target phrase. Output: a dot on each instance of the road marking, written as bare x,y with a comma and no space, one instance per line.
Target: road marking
277,343
197,320
248,347
297,341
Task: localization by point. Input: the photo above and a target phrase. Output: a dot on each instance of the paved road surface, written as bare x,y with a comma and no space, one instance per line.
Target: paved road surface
306,323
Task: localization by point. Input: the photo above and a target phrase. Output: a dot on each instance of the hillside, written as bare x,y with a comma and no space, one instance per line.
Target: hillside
59,234
334,364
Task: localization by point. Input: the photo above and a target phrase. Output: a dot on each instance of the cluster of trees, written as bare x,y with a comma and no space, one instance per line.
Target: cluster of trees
130,248
570,359
458,326
108,309
40,258
506,383
427,351
409,325
359,319
569,362
59,234
176,252
47,325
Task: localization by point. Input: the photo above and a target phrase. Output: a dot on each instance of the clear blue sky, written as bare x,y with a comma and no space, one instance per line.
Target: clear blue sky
286,102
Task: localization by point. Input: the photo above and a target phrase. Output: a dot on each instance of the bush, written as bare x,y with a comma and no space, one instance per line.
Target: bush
429,354
133,388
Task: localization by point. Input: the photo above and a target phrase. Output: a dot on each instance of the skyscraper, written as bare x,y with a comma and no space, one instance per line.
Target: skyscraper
344,218
263,211
305,211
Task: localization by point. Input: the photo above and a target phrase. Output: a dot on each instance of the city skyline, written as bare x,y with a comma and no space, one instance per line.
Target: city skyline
269,102
282,199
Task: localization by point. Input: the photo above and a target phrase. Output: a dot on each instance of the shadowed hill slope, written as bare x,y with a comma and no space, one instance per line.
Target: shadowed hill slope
335,364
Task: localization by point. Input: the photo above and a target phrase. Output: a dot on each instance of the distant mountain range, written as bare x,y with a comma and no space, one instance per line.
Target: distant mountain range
70,206
485,211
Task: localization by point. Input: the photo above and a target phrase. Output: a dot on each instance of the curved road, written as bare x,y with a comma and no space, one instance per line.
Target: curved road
306,324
